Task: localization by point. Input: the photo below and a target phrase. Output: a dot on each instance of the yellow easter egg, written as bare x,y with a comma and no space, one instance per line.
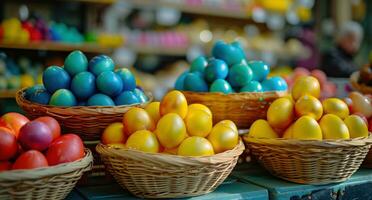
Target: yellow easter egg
262,129
288,133
306,85
171,130
223,138
310,106
307,128
356,125
195,146
143,140
198,123
198,106
137,119
174,102
228,123
153,110
333,127
113,133
280,113
335,106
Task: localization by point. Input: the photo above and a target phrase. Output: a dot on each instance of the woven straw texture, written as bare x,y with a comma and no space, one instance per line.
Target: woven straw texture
242,108
310,162
155,175
86,121
44,183
360,87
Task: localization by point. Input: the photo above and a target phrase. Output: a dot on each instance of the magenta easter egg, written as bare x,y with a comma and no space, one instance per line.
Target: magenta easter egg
35,135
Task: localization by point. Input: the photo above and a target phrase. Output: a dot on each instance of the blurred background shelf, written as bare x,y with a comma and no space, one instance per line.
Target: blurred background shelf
7,94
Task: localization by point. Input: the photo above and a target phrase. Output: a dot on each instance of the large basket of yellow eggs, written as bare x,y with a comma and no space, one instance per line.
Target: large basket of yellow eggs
308,141
170,149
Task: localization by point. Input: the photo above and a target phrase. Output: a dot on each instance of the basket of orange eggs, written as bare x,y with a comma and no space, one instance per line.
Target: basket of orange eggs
232,87
170,149
308,141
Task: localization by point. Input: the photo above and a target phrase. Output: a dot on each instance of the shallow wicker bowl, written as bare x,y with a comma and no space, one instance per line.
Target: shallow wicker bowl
242,108
54,182
155,175
310,162
357,86
86,121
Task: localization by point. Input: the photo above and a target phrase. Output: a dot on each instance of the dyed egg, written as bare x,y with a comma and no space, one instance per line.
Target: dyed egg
55,78
142,98
38,94
63,97
171,130
280,113
143,140
333,127
216,69
153,110
274,83
100,64
199,64
83,85
179,84
75,63
356,125
220,85
288,133
252,86
239,48
240,75
228,123
223,138
127,98
113,134
100,100
109,83
195,146
306,128
226,52
306,85
261,129
336,106
310,106
137,119
260,70
174,102
193,82
129,82
198,123
198,106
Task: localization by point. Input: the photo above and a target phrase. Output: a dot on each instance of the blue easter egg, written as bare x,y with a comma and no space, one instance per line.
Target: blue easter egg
109,83
126,98
140,95
252,86
129,82
83,85
240,75
221,85
63,97
216,69
38,94
199,64
193,82
100,64
31,90
100,100
75,63
55,78
227,52
179,84
274,83
260,70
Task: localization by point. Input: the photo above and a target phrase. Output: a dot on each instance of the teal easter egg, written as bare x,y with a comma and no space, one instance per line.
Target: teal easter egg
140,95
75,63
240,75
193,82
216,69
109,83
100,100
37,94
63,97
129,82
55,78
227,52
260,70
275,83
126,98
83,85
221,85
252,86
179,84
100,64
199,64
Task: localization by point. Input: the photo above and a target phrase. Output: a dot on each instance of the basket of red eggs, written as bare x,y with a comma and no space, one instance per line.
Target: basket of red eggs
83,96
36,161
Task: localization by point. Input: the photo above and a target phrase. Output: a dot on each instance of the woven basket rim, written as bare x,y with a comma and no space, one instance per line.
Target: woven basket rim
359,87
328,143
18,175
240,94
20,98
168,158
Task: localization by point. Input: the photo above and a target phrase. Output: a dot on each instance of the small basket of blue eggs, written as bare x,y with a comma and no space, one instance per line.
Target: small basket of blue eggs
231,86
85,97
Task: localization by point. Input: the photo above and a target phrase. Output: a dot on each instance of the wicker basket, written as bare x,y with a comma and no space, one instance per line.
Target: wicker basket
310,162
242,108
86,121
44,183
357,86
155,175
